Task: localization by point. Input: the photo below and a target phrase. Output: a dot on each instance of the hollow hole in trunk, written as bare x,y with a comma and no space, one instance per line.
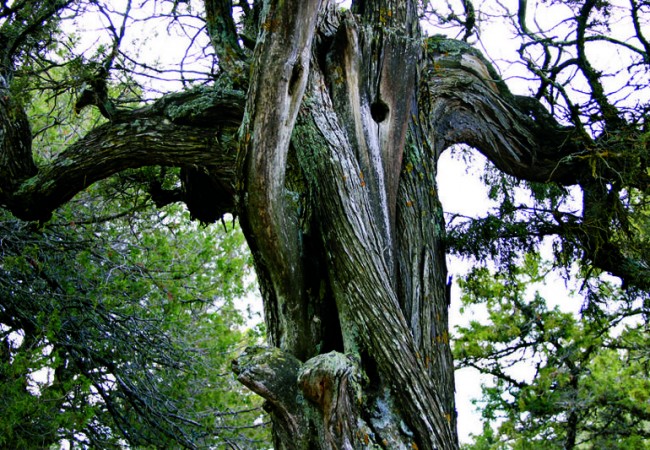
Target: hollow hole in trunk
296,73
379,110
373,377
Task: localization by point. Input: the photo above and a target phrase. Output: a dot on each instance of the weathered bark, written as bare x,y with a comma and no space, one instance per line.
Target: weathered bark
334,181
351,132
172,132
280,69
314,405
466,102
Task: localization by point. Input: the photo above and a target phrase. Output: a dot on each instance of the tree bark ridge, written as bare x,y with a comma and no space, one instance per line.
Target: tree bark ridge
367,298
280,70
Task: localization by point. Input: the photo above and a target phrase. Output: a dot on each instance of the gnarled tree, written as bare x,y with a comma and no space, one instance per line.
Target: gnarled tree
321,131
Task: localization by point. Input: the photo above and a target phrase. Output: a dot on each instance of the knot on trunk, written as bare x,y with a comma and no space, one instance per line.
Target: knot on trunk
333,382
272,374
325,376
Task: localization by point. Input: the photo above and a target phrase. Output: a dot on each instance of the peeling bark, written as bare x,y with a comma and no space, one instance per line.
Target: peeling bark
280,69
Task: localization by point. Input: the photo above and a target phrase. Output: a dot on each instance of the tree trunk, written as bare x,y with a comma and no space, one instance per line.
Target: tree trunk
340,210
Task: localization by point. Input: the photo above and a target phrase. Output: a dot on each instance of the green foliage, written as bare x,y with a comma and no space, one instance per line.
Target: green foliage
587,383
525,214
118,320
123,329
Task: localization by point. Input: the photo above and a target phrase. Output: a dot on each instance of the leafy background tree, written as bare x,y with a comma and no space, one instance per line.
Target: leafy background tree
112,331
557,380
119,319
583,407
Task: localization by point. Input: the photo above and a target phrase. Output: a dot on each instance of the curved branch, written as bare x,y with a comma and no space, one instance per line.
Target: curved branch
171,132
280,69
468,103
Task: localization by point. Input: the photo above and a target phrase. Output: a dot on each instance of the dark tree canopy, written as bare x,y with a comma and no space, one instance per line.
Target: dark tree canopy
320,127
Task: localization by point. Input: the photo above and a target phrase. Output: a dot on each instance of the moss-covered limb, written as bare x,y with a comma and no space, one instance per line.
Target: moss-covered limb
453,53
193,129
112,148
469,103
272,374
225,39
203,106
314,405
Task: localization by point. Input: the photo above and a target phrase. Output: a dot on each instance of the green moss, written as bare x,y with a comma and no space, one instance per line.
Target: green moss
309,143
453,50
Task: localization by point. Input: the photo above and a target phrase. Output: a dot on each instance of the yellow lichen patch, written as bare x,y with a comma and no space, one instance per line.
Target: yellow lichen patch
385,15
271,25
442,338
338,75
